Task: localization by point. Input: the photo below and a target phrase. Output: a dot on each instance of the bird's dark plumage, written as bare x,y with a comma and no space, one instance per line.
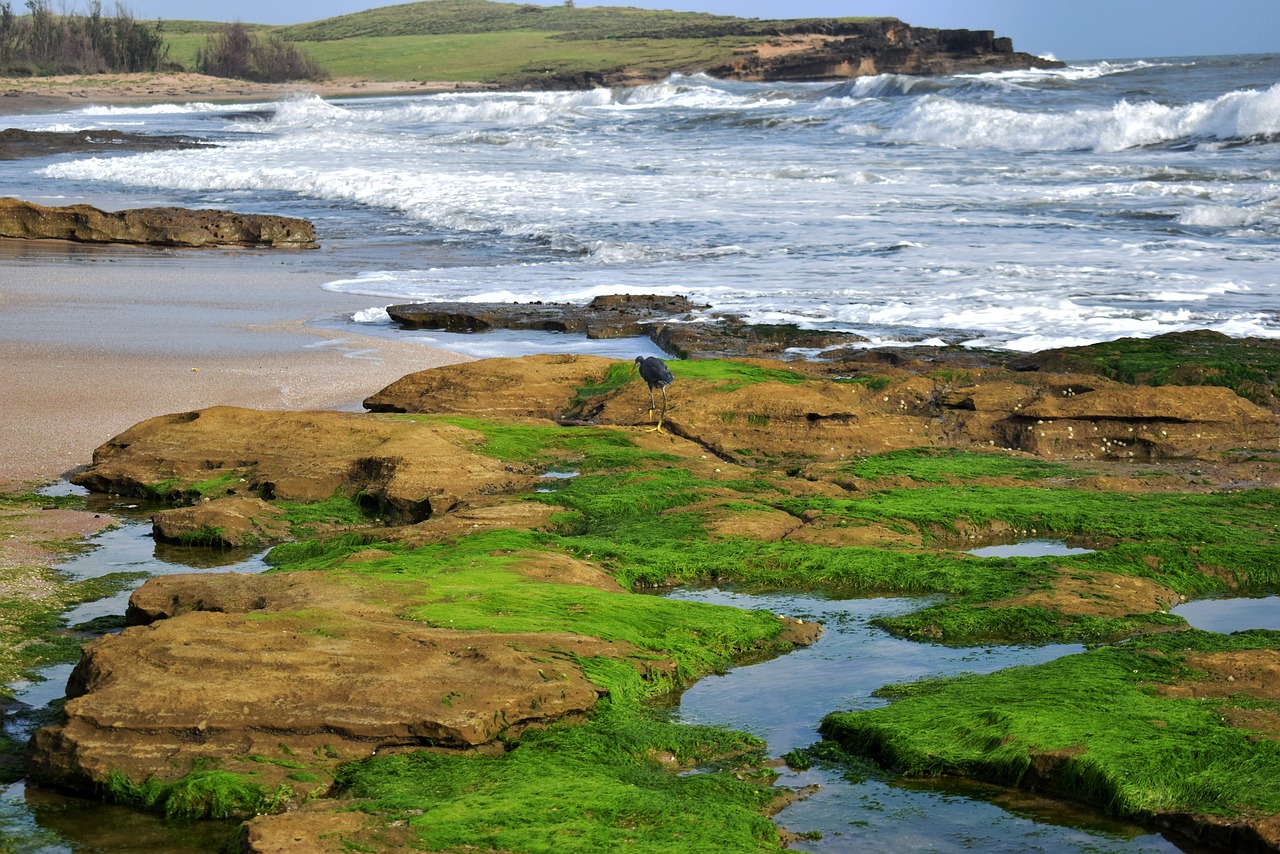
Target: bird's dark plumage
654,371
657,375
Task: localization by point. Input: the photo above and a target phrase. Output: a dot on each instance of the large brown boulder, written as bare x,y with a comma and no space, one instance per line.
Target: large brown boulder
153,226
409,470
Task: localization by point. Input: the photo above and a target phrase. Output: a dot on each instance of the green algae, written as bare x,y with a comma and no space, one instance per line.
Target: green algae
601,786
727,375
1092,726
541,446
200,793
941,465
470,583
1251,368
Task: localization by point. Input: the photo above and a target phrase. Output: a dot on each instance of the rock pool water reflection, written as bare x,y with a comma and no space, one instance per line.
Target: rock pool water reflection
782,701
1232,615
37,821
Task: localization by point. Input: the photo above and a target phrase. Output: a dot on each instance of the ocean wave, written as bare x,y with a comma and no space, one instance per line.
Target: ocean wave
1240,115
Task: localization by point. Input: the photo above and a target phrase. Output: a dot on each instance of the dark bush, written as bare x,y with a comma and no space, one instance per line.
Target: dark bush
236,52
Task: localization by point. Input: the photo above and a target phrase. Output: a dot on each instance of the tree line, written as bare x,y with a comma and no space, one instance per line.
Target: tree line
42,42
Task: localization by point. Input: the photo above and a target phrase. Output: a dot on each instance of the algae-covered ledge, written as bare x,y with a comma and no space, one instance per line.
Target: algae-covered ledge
450,641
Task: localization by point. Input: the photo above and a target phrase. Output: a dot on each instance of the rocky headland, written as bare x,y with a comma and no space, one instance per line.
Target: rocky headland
441,607
848,49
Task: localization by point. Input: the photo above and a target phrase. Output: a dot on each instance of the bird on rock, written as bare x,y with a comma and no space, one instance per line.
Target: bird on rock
657,375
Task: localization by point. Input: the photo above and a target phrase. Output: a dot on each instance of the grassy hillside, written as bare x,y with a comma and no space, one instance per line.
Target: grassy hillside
507,43
503,57
446,17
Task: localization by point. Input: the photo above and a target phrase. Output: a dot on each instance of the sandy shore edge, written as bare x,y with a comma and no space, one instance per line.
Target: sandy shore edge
38,94
66,392
91,348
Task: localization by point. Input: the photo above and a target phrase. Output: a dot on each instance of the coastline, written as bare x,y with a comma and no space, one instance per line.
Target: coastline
20,95
98,338
95,340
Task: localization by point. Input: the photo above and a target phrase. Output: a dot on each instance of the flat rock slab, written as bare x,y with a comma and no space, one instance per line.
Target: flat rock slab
236,666
680,327
1054,416
177,227
411,470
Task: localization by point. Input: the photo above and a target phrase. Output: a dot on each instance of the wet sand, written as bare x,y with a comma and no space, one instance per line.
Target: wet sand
96,339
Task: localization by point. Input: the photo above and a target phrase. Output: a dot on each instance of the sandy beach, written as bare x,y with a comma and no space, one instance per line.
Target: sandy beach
37,94
96,339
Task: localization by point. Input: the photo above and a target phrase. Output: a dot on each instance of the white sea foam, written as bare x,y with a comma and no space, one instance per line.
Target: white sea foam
945,121
1014,210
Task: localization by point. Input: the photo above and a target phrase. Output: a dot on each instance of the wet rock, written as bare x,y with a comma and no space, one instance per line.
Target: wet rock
16,144
675,324
153,226
848,49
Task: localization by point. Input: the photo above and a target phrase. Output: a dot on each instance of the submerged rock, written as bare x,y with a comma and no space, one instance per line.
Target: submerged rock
153,226
675,324
16,144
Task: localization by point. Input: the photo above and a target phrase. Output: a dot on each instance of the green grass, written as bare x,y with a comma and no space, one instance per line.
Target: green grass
480,16
1122,746
505,43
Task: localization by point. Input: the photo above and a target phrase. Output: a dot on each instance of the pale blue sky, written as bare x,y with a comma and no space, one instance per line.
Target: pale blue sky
1067,29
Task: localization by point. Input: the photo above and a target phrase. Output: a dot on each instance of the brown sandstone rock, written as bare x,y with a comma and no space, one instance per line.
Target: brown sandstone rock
241,520
276,666
1051,416
409,470
153,226
527,387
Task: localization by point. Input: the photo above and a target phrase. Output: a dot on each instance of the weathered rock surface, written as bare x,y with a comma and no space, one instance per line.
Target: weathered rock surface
1050,415
153,226
675,324
234,521
235,666
848,49
16,144
407,470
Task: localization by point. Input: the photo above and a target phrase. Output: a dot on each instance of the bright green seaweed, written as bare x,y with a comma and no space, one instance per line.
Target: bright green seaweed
1110,736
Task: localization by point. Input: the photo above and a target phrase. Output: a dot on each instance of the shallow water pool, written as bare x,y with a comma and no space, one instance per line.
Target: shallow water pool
784,699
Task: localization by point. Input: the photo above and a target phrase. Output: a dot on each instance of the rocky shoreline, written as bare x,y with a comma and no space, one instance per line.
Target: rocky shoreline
422,535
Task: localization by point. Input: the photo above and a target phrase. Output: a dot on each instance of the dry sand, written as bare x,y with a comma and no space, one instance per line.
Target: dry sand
94,340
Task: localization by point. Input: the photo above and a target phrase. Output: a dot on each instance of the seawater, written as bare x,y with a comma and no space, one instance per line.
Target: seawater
1015,210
